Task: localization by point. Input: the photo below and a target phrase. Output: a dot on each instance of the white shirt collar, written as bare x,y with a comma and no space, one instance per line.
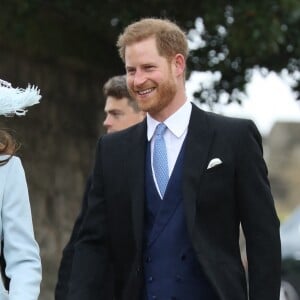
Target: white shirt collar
176,123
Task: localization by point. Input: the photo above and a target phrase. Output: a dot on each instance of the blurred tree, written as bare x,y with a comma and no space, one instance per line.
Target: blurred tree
242,36
236,36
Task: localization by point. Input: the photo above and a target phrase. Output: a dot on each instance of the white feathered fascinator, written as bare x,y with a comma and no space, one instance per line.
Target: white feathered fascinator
13,101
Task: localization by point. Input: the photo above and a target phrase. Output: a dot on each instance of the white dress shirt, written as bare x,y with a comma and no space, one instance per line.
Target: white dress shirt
177,126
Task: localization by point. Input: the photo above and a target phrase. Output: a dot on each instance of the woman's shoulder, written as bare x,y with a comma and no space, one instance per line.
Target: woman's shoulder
13,158
11,172
13,161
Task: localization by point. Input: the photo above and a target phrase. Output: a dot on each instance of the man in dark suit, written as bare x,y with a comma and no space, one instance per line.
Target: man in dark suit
165,206
121,112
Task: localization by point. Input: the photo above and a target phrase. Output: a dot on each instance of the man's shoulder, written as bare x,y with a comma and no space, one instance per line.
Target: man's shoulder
127,134
218,118
224,124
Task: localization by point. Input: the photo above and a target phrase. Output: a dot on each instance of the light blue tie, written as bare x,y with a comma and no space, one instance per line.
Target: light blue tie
160,159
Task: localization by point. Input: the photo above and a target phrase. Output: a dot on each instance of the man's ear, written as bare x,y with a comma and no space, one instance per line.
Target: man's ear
180,64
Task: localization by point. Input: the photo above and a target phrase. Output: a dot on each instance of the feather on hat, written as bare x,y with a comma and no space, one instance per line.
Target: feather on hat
14,101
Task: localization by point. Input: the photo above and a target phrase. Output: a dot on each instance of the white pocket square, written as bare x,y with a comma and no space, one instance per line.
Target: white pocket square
214,162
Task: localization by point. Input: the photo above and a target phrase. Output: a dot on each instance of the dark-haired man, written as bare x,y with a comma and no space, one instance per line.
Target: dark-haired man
121,112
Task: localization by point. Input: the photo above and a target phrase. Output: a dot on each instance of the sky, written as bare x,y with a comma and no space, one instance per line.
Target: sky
268,99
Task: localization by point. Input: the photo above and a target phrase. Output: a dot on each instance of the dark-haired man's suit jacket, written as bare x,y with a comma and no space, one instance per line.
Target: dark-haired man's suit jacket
216,201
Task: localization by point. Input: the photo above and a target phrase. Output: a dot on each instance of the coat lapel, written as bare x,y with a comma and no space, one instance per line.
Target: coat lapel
136,180
199,139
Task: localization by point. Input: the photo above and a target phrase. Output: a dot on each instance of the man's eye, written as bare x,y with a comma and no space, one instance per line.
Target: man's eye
116,114
149,68
130,71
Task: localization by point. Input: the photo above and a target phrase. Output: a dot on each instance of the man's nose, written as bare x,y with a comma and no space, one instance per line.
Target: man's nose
139,78
107,122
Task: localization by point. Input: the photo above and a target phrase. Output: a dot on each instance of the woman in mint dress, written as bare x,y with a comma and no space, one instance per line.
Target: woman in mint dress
19,250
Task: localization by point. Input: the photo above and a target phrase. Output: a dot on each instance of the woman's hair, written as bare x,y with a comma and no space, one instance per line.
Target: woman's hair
170,38
8,145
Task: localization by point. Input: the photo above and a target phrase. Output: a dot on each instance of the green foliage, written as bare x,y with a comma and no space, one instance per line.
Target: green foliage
82,34
260,34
